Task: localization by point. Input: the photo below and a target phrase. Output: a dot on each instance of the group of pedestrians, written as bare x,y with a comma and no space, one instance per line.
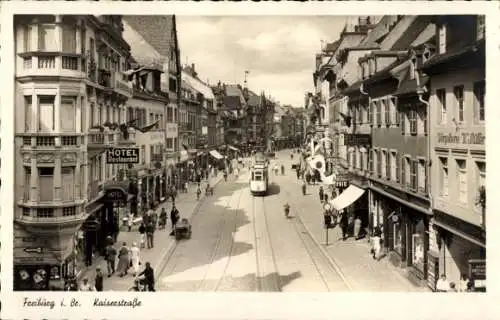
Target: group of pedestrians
465,285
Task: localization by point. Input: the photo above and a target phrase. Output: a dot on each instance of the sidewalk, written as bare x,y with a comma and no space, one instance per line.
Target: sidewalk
164,244
353,258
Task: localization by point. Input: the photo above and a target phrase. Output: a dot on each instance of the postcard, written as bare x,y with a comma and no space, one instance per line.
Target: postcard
247,160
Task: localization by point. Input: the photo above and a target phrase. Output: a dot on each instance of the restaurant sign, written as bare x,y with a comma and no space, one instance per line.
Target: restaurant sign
357,139
462,138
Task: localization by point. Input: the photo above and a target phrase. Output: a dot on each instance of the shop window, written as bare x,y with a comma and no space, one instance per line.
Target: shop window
397,238
46,184
479,100
444,176
418,250
68,183
441,99
462,179
459,100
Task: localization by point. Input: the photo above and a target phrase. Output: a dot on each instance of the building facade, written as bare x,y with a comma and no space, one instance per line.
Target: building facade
457,147
68,80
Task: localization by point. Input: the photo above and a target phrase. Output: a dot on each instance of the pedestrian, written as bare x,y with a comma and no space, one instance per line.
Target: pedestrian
186,187
86,286
321,194
344,225
198,192
308,177
135,258
442,285
325,197
99,280
110,258
357,227
174,217
453,287
149,276
150,229
376,243
163,218
142,234
123,260
464,281
225,176
282,169
130,221
297,170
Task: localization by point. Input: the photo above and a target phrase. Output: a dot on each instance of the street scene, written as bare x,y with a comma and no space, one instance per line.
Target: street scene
286,154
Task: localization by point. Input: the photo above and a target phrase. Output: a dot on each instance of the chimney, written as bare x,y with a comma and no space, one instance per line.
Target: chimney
192,66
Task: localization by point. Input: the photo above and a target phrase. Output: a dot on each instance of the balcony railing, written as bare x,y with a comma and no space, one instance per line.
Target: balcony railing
46,62
50,64
120,139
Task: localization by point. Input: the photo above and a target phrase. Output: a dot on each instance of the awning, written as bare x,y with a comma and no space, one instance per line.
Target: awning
216,154
233,148
351,194
460,233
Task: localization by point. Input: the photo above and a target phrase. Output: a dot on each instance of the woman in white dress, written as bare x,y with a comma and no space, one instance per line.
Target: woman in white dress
135,258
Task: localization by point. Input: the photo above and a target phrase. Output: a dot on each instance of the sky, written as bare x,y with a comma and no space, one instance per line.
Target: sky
278,51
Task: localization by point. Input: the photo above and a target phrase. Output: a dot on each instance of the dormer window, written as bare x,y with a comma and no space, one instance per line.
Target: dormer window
442,39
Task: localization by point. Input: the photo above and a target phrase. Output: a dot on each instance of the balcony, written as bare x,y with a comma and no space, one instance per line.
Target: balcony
99,140
104,78
35,64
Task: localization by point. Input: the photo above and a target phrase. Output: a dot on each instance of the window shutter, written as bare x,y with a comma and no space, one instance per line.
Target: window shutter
369,113
370,161
426,177
417,175
398,169
379,163
403,171
388,119
403,121
379,115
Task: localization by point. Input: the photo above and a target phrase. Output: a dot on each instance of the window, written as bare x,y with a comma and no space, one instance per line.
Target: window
393,166
422,177
68,183
462,180
442,39
422,119
47,40
69,39
27,38
379,112
26,212
362,161
369,112
371,156
481,173
407,172
459,98
92,114
388,165
28,111
479,100
412,117
27,183
393,101
387,109
68,114
169,143
480,27
441,97
413,175
444,176
143,153
379,163
92,48
46,184
170,117
46,113
403,120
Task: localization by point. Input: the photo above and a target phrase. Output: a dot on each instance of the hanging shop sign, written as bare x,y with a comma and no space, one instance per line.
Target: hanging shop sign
357,139
477,274
342,181
122,155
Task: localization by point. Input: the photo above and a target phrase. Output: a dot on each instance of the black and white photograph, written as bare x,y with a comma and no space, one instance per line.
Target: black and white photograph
251,153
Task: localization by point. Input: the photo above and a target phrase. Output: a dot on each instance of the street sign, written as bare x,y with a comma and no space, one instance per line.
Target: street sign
122,155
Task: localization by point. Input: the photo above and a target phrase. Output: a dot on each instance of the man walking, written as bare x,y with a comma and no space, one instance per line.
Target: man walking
150,229
110,258
99,279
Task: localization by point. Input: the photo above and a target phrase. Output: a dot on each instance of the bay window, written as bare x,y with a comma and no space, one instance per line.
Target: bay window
28,38
27,183
69,39
68,114
46,113
47,38
28,105
46,183
68,183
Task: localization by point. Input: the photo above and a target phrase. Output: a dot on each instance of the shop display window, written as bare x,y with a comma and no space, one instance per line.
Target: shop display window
397,238
418,251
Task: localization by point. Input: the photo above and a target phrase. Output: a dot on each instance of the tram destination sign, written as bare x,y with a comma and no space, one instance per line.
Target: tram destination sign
122,155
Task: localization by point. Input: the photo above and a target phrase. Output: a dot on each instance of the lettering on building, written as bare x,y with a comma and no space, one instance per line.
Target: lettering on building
122,155
462,138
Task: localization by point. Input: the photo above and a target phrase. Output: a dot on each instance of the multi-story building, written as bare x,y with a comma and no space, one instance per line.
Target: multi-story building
157,41
235,114
218,92
457,147
68,80
190,116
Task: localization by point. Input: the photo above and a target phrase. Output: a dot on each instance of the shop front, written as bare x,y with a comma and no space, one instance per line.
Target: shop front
405,225
351,202
462,250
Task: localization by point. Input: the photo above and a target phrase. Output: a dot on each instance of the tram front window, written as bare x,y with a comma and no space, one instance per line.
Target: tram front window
257,177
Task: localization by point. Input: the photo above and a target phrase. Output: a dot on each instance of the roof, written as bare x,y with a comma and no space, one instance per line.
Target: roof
429,34
232,102
198,86
382,74
233,90
253,98
332,46
380,30
478,48
411,29
409,86
353,88
155,30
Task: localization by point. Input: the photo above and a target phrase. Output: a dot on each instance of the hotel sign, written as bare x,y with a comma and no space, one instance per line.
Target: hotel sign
122,155
357,139
462,138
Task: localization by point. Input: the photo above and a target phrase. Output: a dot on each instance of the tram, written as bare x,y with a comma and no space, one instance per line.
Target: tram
259,179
